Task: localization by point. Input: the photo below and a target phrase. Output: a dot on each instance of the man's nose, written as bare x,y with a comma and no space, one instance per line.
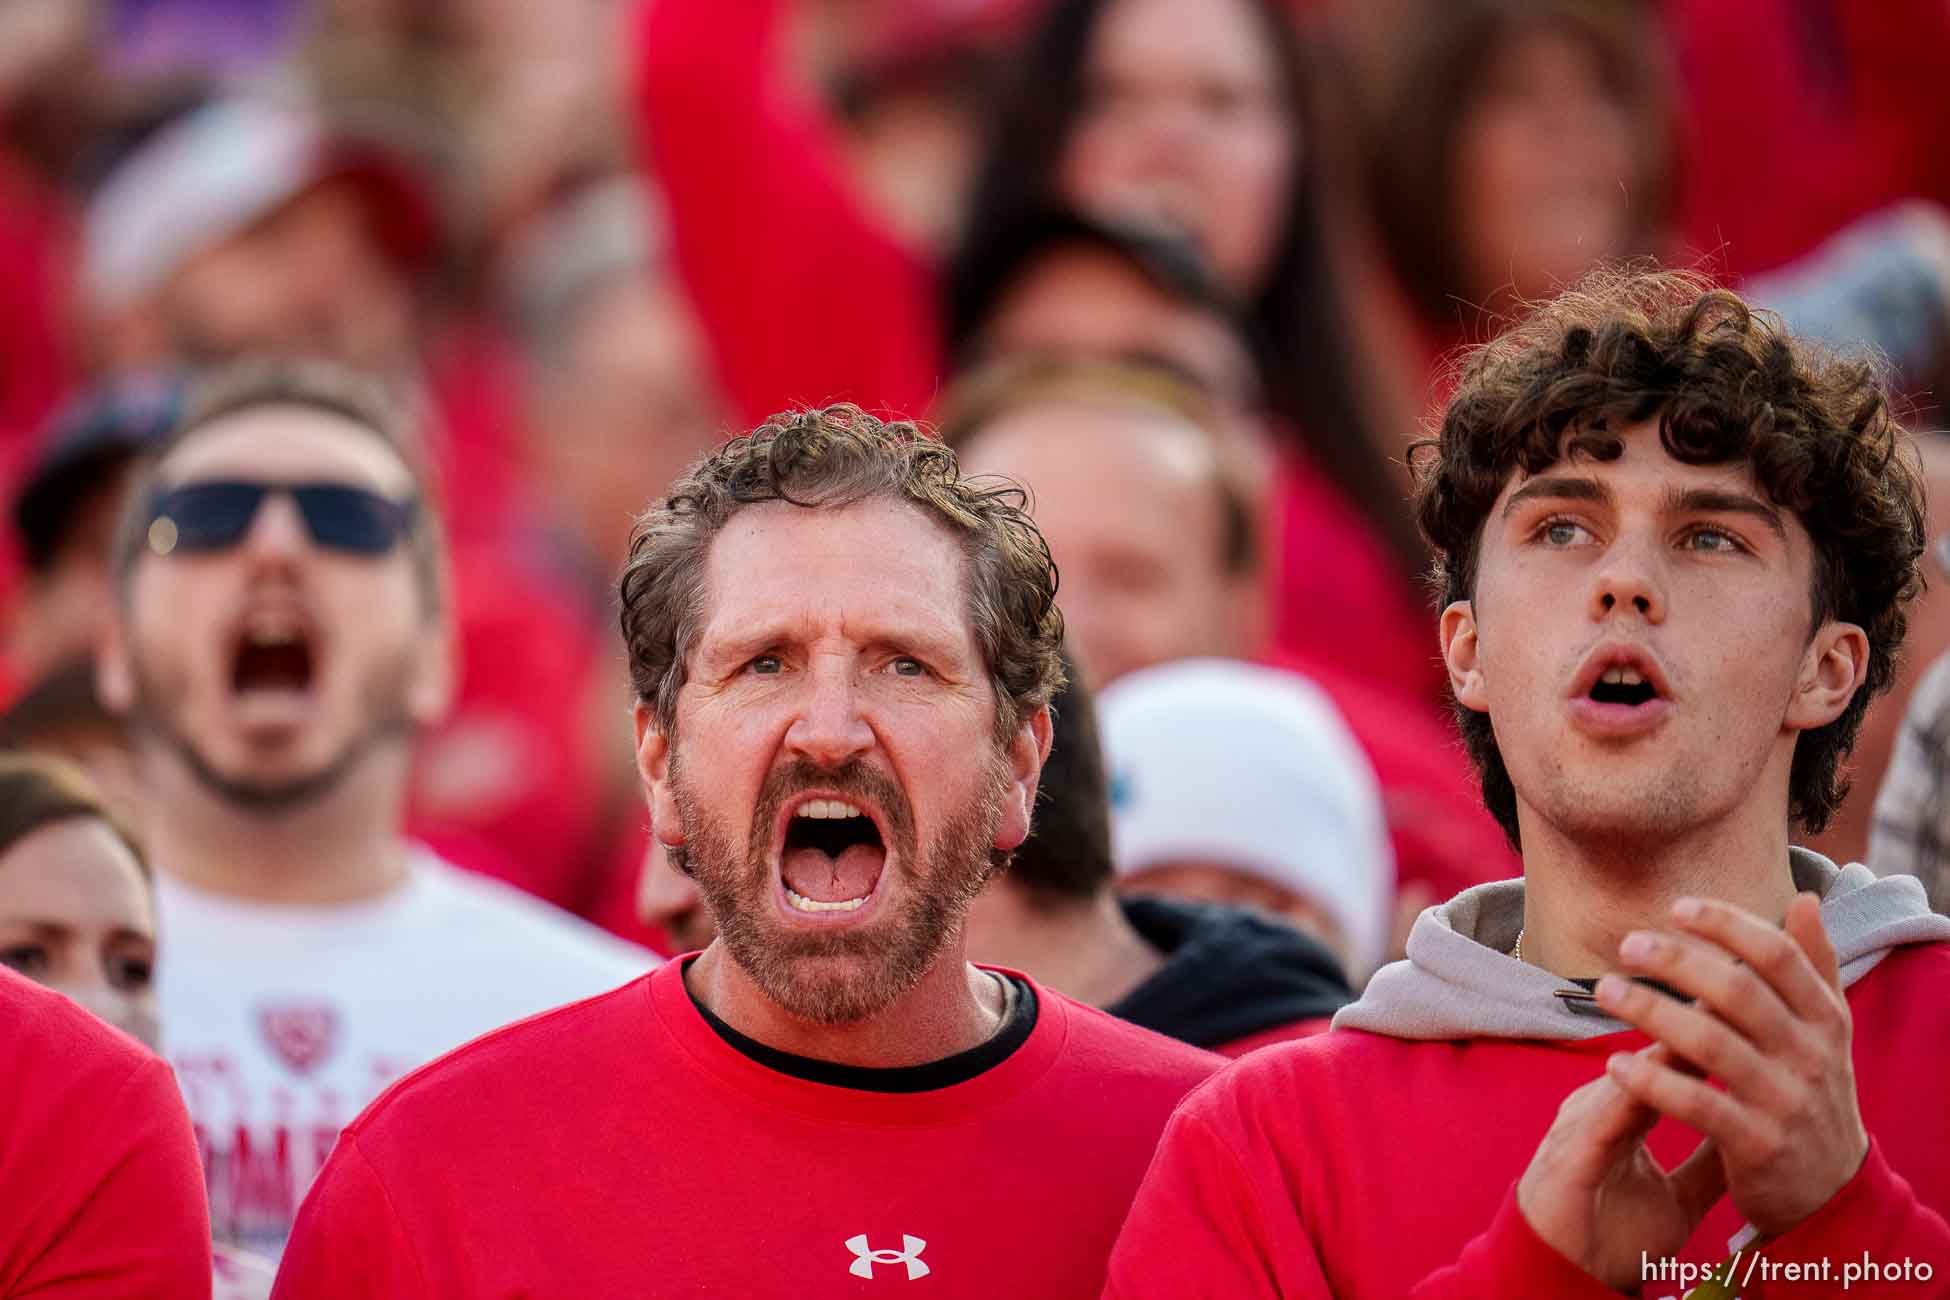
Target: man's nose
830,728
1629,580
278,530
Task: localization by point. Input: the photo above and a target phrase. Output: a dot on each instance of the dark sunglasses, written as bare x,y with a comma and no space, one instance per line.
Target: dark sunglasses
214,515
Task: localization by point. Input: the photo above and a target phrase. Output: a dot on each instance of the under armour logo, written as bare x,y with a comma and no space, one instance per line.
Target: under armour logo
865,1257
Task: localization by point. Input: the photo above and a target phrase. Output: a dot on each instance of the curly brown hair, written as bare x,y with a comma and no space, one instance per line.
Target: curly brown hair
825,460
1727,384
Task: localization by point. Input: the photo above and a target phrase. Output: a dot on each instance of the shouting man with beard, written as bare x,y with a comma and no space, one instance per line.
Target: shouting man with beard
280,638
843,654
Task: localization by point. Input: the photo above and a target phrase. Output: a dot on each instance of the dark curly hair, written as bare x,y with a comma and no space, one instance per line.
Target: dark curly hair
825,460
1727,384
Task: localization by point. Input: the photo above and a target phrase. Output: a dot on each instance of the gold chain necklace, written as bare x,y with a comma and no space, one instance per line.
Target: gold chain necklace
1517,951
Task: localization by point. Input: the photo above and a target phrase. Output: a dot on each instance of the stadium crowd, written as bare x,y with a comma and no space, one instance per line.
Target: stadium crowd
1146,648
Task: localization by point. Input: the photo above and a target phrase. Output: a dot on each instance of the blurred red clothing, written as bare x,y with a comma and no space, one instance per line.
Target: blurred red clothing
36,331
103,1192
1798,117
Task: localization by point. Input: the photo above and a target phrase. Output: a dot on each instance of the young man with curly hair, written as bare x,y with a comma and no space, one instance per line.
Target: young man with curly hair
843,653
1675,548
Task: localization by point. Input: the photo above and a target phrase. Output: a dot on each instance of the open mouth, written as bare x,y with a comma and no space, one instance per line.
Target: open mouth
272,653
832,856
1622,686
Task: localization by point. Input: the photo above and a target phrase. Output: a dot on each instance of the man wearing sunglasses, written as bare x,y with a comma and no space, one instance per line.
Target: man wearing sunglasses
281,637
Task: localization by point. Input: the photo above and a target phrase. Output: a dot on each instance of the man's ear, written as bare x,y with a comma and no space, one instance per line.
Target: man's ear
114,672
653,765
1023,763
1832,670
1459,656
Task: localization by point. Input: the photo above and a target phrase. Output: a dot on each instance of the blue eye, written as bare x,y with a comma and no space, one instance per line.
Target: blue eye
1561,532
1723,541
767,665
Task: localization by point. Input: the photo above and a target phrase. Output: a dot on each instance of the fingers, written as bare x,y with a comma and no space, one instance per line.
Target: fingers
1693,1033
1785,963
1707,973
1736,1129
1608,1118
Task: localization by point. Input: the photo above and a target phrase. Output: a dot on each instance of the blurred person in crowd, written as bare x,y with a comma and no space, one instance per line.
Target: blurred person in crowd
77,911
250,224
64,515
843,653
1911,831
1110,449
253,225
1234,783
1676,549
618,403
1185,115
281,638
1514,145
61,716
1212,975
51,100
1107,452
618,396
104,1196
78,915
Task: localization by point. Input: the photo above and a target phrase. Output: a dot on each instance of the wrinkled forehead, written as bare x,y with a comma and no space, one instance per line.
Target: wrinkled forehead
289,444
876,570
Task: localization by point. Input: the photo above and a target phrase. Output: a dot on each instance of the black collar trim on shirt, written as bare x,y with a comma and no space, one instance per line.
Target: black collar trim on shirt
945,1073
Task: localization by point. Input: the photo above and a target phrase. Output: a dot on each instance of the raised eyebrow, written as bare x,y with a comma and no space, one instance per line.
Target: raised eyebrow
1558,487
1716,501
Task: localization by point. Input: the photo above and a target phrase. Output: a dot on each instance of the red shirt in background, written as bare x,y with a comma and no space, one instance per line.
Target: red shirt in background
621,1147
1799,117
99,1179
1353,1166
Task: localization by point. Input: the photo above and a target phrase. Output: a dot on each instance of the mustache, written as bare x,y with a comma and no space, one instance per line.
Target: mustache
853,780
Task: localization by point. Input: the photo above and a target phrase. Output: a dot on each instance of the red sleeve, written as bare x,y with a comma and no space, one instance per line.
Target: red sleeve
143,1229
1196,1229
347,1240
804,296
1875,1220
1509,1258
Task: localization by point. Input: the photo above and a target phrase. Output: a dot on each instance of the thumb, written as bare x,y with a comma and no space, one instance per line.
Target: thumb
1699,1181
1804,926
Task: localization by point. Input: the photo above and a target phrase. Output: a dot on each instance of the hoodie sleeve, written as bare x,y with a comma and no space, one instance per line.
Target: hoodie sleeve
1198,1226
1510,1259
805,297
1876,1227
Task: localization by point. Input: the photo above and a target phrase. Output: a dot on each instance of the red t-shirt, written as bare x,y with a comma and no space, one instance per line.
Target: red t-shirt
1361,1167
100,1191
620,1147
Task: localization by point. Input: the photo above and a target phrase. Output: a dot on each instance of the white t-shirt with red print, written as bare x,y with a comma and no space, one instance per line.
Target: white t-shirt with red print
283,1021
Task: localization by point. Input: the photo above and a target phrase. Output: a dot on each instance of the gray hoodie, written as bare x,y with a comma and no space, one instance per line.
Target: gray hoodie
1459,980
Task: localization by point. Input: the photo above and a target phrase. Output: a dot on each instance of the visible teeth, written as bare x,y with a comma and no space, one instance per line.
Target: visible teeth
272,629
805,904
1622,677
827,809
